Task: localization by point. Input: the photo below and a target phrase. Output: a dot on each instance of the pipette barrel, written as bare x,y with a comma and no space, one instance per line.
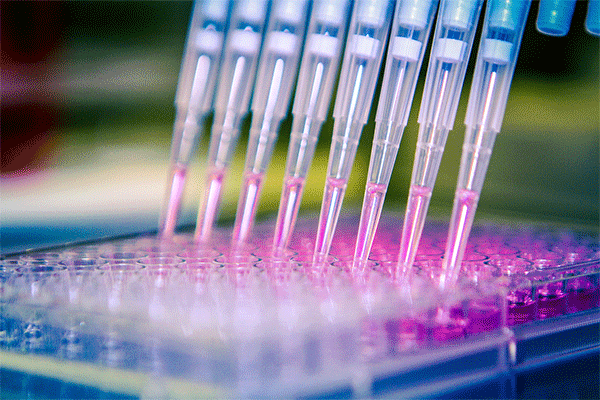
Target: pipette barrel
278,68
194,98
232,103
319,67
454,36
408,40
496,60
360,69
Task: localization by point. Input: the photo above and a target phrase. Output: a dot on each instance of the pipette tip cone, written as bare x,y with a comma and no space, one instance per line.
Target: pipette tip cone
463,214
247,205
414,220
209,207
172,205
330,212
291,197
369,219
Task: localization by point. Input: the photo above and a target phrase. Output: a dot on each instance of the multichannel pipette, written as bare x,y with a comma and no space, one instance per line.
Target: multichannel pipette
410,31
194,98
273,89
454,35
360,69
237,73
324,41
496,60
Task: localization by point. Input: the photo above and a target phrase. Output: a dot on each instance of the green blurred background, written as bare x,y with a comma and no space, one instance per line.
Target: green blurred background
87,112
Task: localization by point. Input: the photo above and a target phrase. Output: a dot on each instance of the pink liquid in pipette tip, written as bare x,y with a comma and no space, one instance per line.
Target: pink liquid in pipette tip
414,220
465,206
288,211
330,210
177,180
210,205
246,211
369,219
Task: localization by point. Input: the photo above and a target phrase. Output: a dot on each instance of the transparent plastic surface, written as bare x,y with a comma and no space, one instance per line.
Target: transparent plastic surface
194,98
333,196
170,210
209,204
454,36
233,93
291,196
408,40
463,214
247,205
205,39
169,317
360,69
410,32
278,68
277,72
369,219
317,74
453,40
496,60
414,221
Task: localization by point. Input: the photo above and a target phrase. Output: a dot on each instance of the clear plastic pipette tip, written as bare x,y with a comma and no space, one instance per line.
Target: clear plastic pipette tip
173,201
414,220
369,219
330,212
463,214
246,211
291,197
209,207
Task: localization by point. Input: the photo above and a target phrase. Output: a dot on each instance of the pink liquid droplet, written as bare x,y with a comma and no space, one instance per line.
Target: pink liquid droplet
289,205
247,205
414,219
330,211
463,214
173,201
209,207
369,219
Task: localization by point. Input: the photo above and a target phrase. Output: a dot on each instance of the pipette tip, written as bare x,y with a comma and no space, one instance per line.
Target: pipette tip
172,205
414,220
291,197
247,205
330,211
209,207
369,219
463,214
